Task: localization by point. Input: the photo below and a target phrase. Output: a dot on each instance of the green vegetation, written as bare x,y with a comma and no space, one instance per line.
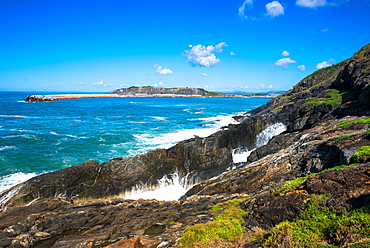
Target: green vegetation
317,225
350,122
330,72
226,226
361,154
350,135
278,109
295,183
335,98
210,93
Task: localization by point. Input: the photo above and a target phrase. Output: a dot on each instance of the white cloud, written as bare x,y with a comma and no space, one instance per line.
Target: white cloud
246,4
283,63
270,86
163,71
97,83
101,83
302,67
285,53
274,9
232,53
311,3
325,64
204,75
203,56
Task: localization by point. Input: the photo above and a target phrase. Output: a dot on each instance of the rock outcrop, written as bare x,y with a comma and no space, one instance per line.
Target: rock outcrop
325,118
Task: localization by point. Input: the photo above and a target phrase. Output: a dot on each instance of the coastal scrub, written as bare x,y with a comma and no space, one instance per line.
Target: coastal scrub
295,183
227,226
319,226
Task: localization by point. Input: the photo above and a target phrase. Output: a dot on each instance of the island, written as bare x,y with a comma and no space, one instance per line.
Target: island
146,91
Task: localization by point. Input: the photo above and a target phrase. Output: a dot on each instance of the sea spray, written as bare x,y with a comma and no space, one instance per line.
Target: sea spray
169,188
264,137
241,154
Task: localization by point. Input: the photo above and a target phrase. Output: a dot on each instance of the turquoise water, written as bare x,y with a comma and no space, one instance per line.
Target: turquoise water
42,137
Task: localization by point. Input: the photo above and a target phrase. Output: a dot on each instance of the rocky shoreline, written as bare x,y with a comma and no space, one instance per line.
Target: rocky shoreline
320,165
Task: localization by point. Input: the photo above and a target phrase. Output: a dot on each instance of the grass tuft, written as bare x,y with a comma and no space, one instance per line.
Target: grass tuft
334,99
350,122
361,155
318,224
227,226
295,183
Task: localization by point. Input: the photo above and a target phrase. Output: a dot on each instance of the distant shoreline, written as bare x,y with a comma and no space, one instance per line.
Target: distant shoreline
58,97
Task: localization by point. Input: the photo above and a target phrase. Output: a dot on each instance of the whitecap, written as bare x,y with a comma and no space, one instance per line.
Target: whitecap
72,136
7,148
19,116
159,118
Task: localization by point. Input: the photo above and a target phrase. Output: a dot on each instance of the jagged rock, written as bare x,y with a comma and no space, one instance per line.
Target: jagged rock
348,187
116,222
197,158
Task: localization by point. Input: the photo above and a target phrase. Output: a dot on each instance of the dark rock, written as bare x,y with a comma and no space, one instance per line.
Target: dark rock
59,223
347,187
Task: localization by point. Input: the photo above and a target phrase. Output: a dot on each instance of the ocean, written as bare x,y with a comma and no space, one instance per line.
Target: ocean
41,137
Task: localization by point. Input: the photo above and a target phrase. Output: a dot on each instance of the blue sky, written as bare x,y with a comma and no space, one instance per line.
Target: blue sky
220,45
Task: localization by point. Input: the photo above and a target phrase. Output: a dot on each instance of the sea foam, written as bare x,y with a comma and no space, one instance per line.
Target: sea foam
9,181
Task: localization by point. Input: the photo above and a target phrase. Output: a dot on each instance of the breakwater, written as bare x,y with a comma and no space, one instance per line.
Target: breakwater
47,98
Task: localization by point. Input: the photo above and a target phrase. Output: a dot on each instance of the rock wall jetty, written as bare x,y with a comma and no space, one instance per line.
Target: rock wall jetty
304,181
48,98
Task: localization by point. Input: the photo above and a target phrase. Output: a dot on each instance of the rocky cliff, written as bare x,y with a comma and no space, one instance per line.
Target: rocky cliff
301,144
